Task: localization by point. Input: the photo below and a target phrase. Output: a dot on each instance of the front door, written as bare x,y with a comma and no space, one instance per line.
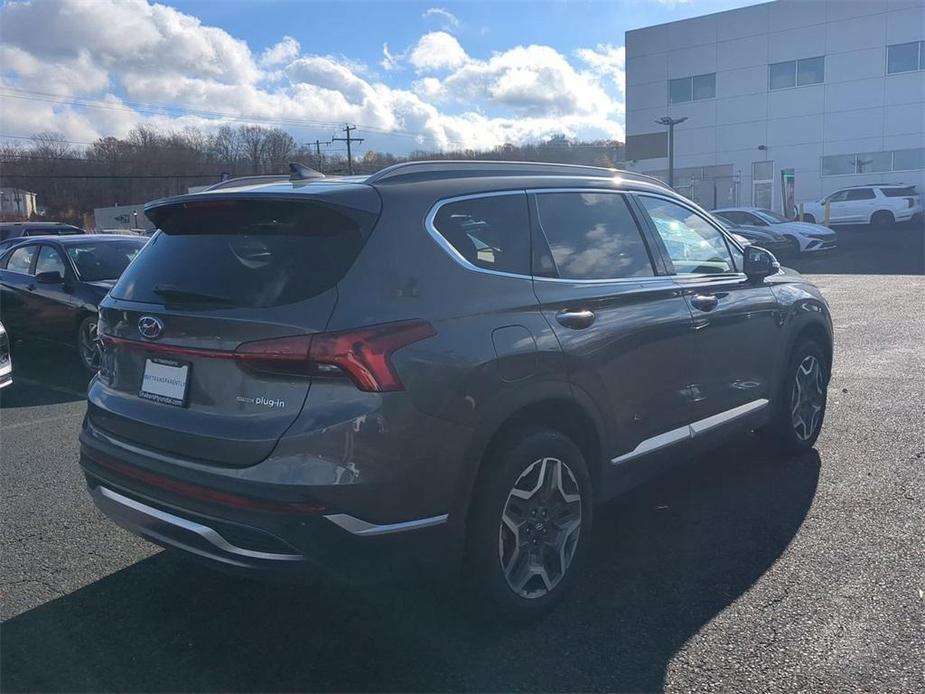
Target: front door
625,330
16,278
736,323
54,303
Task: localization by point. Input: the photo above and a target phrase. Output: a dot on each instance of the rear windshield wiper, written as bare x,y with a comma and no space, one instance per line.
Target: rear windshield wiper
171,293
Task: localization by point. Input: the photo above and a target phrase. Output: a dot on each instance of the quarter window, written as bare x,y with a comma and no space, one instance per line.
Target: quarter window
491,232
21,260
693,244
49,261
590,236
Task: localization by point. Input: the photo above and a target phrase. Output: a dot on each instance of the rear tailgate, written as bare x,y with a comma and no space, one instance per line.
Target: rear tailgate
223,271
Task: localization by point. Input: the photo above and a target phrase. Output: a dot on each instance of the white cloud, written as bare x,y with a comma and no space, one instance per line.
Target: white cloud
448,20
281,52
77,49
437,50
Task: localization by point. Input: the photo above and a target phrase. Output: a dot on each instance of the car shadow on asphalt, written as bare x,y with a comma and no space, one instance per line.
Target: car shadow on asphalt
665,560
899,250
44,374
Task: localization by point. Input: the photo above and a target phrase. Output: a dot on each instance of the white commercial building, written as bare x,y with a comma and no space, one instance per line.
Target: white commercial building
832,91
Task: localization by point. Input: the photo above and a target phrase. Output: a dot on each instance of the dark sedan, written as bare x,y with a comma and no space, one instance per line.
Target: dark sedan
764,238
50,287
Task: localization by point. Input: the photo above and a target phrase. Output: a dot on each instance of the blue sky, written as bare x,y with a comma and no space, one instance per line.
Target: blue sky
411,74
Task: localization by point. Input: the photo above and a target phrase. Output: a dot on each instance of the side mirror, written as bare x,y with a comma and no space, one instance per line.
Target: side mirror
52,277
759,263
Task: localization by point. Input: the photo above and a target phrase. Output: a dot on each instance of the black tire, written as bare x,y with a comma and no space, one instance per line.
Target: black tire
783,431
882,220
490,539
809,218
86,332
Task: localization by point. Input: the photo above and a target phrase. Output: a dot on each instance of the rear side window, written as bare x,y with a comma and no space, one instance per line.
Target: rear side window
490,232
591,236
693,244
246,253
898,192
860,194
21,260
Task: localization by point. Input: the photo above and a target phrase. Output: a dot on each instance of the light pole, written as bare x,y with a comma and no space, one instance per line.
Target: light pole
670,122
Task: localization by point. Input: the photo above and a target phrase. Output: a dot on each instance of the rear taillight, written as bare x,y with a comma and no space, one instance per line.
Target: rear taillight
364,354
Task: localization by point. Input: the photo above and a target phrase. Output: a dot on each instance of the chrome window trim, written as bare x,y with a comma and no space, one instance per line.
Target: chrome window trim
690,431
457,256
357,526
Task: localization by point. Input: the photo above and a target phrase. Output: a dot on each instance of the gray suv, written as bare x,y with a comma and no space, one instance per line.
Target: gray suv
441,366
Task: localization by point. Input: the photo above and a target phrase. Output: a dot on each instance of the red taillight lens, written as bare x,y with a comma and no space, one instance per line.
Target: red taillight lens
363,354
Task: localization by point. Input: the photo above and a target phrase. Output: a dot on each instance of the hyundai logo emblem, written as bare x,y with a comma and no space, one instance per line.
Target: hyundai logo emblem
150,327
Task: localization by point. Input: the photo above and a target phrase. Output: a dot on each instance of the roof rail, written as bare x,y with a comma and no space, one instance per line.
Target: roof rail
248,181
451,167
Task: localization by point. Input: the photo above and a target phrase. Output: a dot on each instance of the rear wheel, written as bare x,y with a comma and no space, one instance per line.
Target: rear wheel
801,403
87,345
530,523
882,220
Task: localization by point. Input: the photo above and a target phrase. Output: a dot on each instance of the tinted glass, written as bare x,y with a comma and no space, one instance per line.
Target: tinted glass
838,164
783,74
903,57
811,70
735,217
491,232
898,192
21,259
694,245
772,216
907,159
592,236
103,261
705,86
861,194
679,90
838,196
49,261
870,162
246,252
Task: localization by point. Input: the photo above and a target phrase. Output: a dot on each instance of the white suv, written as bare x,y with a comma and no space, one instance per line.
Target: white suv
880,205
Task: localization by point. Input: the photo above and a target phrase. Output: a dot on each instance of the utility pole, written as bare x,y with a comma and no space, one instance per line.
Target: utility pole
317,144
348,140
670,122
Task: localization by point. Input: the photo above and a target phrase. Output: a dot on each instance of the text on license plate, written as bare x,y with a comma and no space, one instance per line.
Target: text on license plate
165,381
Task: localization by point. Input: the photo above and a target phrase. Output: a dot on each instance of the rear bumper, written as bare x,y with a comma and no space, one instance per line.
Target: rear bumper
253,530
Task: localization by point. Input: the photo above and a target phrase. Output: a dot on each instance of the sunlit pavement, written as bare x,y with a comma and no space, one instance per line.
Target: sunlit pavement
739,572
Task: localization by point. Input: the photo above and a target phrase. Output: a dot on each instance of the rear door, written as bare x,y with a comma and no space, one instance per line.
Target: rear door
736,324
860,204
626,331
16,278
221,273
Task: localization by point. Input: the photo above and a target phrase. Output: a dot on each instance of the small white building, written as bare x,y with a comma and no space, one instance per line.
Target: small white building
16,203
121,217
830,90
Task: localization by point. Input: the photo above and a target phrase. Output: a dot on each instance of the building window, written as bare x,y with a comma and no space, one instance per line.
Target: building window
692,88
905,57
796,73
874,162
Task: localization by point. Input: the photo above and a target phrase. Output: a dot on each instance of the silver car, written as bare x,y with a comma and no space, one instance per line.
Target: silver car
802,236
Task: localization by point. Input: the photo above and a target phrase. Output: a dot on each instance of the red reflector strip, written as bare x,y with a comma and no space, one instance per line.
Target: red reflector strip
194,491
157,348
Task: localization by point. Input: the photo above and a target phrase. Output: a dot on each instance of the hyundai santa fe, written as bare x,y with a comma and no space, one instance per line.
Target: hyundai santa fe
443,366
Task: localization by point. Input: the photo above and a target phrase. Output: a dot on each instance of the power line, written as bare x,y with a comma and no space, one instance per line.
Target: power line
348,140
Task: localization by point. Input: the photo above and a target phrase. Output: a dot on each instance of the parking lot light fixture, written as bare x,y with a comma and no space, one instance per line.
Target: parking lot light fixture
670,123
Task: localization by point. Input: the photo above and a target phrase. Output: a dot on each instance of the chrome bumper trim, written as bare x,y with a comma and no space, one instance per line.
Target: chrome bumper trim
361,527
169,529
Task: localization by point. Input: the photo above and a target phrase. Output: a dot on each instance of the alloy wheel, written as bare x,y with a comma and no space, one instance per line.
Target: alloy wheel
540,527
807,398
88,345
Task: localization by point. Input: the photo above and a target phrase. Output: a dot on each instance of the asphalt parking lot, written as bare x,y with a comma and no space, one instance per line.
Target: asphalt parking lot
742,571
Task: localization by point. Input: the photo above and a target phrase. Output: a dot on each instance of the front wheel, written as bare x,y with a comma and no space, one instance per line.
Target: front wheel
801,401
530,523
88,347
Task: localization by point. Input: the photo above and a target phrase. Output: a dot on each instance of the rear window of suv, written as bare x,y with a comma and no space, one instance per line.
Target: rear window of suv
898,192
246,253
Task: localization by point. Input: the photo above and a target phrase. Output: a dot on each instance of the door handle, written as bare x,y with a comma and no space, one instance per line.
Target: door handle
575,319
704,302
